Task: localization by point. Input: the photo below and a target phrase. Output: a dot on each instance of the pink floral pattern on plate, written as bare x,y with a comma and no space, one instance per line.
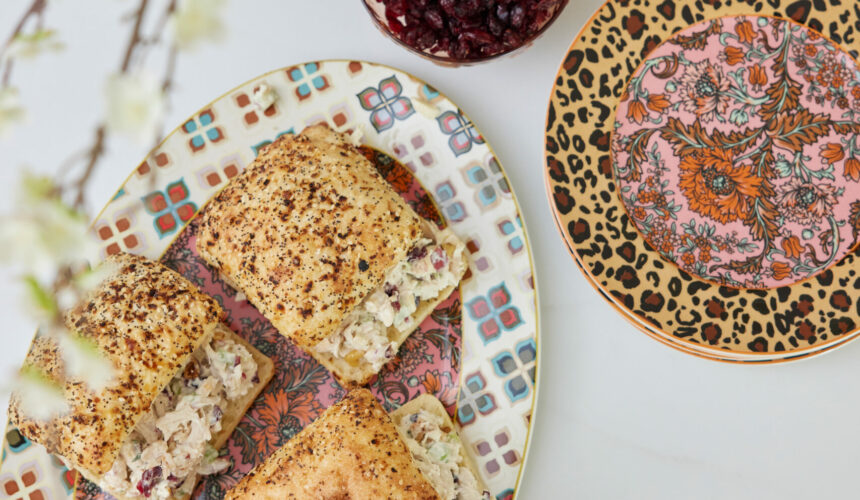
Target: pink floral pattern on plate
736,151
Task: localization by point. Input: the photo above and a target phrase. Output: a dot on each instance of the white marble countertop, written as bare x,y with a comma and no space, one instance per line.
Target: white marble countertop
619,415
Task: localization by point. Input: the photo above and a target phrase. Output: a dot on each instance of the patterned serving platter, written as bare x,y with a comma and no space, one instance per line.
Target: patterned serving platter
478,352
613,101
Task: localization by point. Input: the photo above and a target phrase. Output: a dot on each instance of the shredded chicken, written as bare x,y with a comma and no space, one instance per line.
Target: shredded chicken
438,454
422,276
170,446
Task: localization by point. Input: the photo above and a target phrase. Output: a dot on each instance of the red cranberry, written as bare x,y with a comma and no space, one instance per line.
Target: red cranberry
467,29
503,14
417,253
479,37
434,19
217,413
518,15
448,6
439,258
396,8
149,479
496,26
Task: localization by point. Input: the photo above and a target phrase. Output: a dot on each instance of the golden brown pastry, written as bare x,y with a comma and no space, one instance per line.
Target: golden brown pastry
351,451
182,382
326,250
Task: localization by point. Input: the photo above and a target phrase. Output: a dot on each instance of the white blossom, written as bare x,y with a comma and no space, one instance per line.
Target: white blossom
197,20
83,361
45,234
11,111
135,105
30,45
90,279
39,397
39,302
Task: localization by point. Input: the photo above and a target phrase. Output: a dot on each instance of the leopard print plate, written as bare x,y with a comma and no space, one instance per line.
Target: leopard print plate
681,310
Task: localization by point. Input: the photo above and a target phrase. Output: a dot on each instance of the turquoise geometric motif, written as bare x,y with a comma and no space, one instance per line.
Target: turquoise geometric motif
518,368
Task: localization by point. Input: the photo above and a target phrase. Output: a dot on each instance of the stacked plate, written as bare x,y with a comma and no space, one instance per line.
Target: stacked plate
703,166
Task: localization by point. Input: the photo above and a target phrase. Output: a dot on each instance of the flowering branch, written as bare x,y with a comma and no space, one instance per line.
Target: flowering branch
133,53
48,241
36,10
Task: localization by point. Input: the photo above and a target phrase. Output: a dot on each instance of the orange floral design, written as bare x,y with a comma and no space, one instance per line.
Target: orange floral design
745,31
832,152
274,411
688,258
305,408
271,412
636,111
658,103
716,188
852,169
704,90
781,270
734,56
400,178
434,384
757,76
431,382
791,247
806,203
735,125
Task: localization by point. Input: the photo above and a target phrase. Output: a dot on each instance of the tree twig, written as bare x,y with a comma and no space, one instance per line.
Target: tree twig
7,74
166,86
94,156
97,149
135,36
36,9
161,25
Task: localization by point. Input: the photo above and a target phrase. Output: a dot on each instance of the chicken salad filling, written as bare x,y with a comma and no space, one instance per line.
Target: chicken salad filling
170,446
438,453
363,334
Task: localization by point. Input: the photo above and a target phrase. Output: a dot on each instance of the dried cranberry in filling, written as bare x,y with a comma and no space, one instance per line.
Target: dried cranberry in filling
149,479
417,253
217,413
439,258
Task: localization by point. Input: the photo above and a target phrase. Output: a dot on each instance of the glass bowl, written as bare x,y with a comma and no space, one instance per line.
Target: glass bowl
474,35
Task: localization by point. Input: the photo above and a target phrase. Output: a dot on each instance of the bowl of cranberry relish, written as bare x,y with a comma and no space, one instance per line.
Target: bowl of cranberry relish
462,32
